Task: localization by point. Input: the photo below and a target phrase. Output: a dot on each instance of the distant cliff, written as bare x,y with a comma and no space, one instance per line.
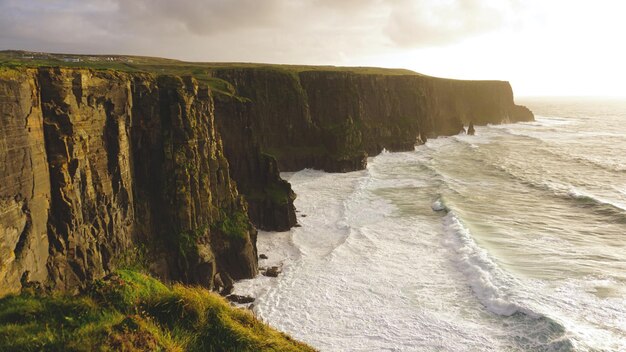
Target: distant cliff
334,120
103,164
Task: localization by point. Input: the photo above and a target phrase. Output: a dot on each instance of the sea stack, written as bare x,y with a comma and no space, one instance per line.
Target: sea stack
470,129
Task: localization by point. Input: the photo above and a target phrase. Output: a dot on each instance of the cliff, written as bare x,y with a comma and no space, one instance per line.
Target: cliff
172,164
100,165
333,120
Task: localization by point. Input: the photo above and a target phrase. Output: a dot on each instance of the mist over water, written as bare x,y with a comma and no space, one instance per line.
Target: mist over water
510,240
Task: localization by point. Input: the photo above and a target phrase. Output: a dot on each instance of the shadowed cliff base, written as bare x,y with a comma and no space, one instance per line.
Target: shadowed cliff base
110,154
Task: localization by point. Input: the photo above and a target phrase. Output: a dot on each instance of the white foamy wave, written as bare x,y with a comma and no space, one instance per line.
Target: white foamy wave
543,135
437,142
474,141
502,294
281,252
582,195
490,284
540,121
552,121
570,191
402,183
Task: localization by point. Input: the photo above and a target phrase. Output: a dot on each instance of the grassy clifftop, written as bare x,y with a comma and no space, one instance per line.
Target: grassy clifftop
202,71
166,66
130,311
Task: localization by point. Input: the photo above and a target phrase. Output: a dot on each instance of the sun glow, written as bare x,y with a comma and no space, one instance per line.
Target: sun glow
562,48
554,47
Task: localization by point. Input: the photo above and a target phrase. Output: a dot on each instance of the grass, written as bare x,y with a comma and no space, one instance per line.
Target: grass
135,258
187,242
200,70
235,225
278,193
131,311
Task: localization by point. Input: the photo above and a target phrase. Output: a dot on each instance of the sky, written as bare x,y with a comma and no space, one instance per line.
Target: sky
543,47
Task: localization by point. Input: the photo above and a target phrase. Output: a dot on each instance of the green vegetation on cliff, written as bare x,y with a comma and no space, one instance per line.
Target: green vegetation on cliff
163,65
234,226
130,311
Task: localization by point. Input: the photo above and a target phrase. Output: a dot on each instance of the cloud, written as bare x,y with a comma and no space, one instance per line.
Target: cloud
421,23
200,17
46,25
248,30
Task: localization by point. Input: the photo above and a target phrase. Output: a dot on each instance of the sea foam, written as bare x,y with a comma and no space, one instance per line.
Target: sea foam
490,284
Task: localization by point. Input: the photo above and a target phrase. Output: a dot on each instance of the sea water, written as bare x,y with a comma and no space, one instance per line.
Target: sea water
510,240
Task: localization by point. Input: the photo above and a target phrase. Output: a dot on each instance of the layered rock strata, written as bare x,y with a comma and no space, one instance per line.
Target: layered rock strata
100,166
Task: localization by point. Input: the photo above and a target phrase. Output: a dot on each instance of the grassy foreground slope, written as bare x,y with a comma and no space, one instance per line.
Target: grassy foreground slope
130,311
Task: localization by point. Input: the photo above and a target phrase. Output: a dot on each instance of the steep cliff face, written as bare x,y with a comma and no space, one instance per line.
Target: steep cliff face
102,162
269,197
334,120
85,123
105,165
458,103
184,192
25,192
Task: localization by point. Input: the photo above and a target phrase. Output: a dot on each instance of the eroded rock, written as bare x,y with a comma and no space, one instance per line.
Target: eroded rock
272,271
240,299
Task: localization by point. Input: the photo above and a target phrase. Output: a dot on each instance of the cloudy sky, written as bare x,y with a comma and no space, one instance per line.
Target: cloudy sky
544,47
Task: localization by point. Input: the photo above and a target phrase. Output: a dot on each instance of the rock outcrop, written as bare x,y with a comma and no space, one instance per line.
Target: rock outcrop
470,129
103,165
25,192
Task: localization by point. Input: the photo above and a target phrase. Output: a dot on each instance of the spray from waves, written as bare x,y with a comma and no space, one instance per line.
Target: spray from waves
495,290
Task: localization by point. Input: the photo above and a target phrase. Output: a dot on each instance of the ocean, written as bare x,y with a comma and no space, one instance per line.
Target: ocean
510,240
